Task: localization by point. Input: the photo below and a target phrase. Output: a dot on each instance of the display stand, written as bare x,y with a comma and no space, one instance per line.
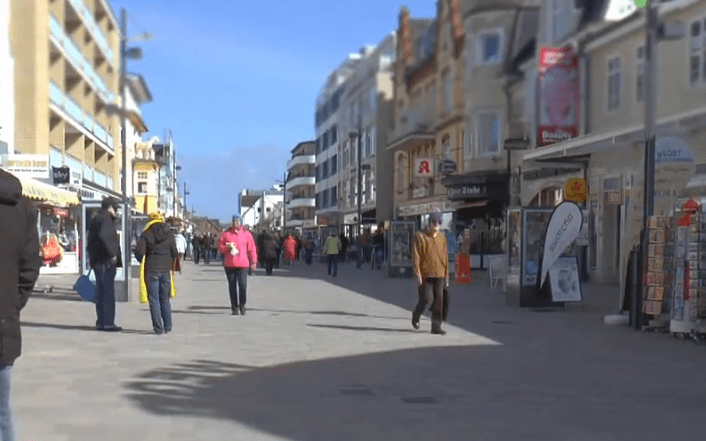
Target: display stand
401,240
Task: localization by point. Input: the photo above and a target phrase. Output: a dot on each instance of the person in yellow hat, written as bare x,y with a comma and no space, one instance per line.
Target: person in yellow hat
156,251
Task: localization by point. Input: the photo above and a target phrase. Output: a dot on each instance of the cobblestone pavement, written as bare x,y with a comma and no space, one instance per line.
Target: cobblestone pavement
323,359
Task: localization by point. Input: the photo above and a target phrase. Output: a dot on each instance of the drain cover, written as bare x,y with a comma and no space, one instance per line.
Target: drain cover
419,400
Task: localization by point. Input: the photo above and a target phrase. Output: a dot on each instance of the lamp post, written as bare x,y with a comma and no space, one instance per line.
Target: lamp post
134,53
357,135
185,206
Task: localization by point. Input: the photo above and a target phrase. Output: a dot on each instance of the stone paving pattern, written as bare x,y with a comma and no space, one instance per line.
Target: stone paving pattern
322,359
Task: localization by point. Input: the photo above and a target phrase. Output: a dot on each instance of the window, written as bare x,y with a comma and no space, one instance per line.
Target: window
142,175
142,187
640,74
373,98
448,91
324,142
401,172
371,186
364,187
344,194
334,165
488,129
334,196
467,146
614,86
352,194
334,135
560,15
489,47
324,170
373,147
324,199
446,147
318,200
697,53
318,173
368,144
447,36
346,146
354,149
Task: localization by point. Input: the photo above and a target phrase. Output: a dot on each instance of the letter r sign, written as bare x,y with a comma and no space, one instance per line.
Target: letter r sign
424,167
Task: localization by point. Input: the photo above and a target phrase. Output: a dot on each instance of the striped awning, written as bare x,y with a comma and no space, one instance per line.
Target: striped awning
50,194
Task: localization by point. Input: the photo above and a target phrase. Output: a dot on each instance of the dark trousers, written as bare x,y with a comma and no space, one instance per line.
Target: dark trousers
308,256
333,264
269,264
197,254
206,255
237,286
105,294
431,288
159,287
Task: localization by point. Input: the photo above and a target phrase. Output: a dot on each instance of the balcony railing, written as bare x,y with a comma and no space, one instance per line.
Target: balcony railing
77,59
301,160
302,202
90,23
68,105
301,181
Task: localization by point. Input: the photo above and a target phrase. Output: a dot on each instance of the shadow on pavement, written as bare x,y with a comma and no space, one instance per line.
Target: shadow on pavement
362,328
334,313
57,296
439,393
78,328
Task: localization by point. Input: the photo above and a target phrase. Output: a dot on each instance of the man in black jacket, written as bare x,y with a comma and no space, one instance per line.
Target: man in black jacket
19,269
158,246
104,256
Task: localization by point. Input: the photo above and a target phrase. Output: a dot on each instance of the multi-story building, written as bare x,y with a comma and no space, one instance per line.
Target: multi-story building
7,85
301,186
328,107
146,176
609,151
365,117
167,176
417,186
137,94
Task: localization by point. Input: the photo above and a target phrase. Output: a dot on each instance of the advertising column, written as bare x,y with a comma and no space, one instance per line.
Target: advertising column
558,95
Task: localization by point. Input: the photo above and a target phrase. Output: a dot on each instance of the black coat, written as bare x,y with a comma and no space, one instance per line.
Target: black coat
269,246
19,262
103,241
158,246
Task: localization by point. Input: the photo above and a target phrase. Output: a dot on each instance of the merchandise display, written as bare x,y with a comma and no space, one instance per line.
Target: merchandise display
659,267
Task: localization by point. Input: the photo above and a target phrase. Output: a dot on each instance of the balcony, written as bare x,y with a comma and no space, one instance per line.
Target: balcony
74,55
303,202
92,26
301,181
80,118
416,128
301,160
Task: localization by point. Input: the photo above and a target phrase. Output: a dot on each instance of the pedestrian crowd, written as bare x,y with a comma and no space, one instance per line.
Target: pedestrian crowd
160,252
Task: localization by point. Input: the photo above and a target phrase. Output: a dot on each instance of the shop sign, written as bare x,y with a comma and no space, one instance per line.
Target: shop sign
26,165
61,175
349,219
575,190
415,210
322,220
423,168
468,191
614,197
77,177
546,172
558,95
61,212
564,227
447,166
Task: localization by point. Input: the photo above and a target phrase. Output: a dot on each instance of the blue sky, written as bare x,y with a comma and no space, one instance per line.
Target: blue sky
236,80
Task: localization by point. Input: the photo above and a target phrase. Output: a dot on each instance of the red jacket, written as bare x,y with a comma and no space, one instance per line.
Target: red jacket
242,239
290,248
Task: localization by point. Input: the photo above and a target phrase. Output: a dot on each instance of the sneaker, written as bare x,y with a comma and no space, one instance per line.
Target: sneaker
234,311
242,310
112,329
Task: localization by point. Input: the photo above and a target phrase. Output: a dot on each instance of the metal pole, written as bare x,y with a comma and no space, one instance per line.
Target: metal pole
123,138
185,193
360,182
284,205
652,24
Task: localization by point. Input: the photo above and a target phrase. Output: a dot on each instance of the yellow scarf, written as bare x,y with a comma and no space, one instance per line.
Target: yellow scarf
143,281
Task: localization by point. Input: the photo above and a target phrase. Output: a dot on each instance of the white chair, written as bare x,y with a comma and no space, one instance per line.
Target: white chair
497,270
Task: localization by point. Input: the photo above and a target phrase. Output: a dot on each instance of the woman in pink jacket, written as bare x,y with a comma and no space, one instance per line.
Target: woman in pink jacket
290,250
239,258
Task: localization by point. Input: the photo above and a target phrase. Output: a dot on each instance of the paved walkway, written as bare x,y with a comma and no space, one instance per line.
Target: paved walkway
321,359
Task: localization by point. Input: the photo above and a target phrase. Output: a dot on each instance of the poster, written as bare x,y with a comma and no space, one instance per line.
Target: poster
558,95
564,280
564,227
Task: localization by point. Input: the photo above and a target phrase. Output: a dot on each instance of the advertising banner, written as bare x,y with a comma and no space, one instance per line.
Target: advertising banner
564,227
558,95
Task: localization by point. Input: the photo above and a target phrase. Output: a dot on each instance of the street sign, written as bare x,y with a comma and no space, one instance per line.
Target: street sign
447,167
516,144
365,167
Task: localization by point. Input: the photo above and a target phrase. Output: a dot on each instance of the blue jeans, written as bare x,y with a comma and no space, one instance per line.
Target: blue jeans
237,287
333,262
159,287
105,294
7,430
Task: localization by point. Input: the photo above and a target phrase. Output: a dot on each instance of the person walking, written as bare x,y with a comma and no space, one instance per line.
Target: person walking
268,251
278,247
104,257
308,250
157,251
19,269
331,249
196,248
181,244
430,260
290,250
238,247
206,248
344,247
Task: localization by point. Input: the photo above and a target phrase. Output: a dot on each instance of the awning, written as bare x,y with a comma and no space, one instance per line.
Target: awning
50,194
474,204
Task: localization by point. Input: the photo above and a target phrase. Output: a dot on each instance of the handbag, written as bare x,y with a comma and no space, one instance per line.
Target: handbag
85,288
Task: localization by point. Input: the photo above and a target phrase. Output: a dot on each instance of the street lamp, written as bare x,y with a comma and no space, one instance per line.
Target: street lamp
133,53
353,136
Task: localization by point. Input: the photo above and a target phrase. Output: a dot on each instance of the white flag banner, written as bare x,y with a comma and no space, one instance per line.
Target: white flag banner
564,227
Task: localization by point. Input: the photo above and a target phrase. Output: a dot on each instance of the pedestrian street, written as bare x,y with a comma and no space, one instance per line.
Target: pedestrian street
317,358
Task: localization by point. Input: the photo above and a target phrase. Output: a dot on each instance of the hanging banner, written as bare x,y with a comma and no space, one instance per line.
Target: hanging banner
564,227
558,95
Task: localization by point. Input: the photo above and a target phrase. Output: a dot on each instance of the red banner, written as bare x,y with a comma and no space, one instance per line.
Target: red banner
558,95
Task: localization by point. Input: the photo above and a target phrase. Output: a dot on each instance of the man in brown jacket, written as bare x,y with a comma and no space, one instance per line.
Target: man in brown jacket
430,259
